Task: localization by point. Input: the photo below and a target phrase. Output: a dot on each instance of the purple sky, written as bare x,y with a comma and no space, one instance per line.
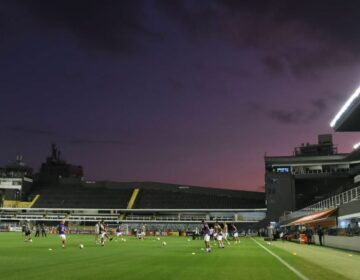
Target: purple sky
189,92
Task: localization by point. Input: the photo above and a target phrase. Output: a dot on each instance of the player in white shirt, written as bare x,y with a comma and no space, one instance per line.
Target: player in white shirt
206,231
142,232
219,235
103,234
226,233
28,232
97,232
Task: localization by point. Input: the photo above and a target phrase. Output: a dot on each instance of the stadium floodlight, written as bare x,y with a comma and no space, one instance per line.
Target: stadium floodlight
345,107
356,146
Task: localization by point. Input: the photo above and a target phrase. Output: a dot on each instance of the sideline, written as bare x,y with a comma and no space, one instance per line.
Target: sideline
297,272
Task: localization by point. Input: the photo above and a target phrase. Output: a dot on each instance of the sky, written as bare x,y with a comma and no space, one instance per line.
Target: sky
187,92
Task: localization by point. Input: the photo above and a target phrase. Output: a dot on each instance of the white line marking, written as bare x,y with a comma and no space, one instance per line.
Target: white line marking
297,272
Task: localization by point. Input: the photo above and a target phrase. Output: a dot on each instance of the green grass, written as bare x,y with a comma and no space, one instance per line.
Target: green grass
148,259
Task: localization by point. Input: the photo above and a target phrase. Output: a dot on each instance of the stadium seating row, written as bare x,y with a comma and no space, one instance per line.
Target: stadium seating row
148,197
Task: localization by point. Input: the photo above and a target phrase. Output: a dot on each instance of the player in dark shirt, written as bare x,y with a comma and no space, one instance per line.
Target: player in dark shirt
235,233
118,232
37,232
43,230
62,233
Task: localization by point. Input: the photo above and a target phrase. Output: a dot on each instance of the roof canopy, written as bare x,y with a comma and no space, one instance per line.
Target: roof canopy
313,217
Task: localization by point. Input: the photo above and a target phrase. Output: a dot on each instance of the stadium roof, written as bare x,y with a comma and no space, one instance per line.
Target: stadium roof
348,118
313,217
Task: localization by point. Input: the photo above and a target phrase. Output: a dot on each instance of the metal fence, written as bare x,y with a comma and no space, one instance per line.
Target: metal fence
133,215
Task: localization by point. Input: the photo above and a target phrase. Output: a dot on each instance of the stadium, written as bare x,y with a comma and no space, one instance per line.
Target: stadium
169,140
311,197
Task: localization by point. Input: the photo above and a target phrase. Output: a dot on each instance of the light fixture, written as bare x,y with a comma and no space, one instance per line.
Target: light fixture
345,107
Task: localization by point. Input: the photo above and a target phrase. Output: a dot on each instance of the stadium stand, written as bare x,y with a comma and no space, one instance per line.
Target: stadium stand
60,185
77,196
107,195
180,199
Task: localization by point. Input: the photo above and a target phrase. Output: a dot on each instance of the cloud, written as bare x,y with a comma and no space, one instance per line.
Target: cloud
288,117
320,104
273,64
315,110
299,37
115,142
114,26
75,141
311,111
28,130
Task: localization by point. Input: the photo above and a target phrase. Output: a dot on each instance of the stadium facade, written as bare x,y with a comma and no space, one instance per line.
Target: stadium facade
313,173
317,187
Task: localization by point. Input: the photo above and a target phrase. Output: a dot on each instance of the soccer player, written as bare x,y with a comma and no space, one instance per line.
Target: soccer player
37,232
206,231
97,232
61,231
23,227
118,231
235,233
226,233
103,233
28,232
219,235
211,233
142,232
43,230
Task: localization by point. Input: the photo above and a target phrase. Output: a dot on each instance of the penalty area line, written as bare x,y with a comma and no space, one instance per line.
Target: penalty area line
293,269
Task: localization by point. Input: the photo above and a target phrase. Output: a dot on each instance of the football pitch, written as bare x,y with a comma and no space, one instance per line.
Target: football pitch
180,258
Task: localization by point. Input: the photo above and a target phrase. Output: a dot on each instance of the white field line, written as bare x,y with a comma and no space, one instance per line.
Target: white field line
297,272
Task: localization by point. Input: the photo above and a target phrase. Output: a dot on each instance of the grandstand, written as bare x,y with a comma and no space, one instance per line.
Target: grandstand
313,173
151,195
76,196
60,191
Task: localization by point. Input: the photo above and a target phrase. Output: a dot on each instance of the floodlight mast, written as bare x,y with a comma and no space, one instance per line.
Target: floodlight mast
345,107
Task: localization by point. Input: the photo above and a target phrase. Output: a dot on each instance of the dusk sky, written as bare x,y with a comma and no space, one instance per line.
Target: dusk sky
188,92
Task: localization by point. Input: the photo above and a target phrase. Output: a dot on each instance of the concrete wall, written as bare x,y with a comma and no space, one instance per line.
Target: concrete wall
349,208
280,194
341,242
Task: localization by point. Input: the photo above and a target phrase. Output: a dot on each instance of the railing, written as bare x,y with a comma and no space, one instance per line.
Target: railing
331,202
113,215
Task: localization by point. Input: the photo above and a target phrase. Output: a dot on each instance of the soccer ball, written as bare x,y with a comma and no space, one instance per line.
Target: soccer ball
81,246
164,243
158,238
